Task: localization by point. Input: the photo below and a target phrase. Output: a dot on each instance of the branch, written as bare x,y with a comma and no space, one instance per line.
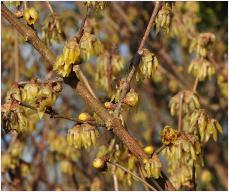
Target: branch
111,122
136,59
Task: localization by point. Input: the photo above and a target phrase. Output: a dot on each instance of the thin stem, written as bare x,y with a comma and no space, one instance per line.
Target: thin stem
180,112
139,53
160,149
115,178
81,29
195,84
133,174
141,175
25,4
50,7
55,115
193,177
150,24
83,79
16,54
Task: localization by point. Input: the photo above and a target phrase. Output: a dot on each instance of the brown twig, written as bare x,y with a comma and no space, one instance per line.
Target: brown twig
195,85
16,53
139,52
54,114
115,178
134,175
81,29
50,7
83,79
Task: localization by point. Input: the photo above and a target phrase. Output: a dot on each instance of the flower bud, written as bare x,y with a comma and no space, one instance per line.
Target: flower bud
149,149
98,163
84,117
131,98
206,176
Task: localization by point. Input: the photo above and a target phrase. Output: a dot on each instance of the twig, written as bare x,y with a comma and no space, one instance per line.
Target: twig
141,175
137,57
81,29
16,54
115,178
25,4
134,175
195,84
180,112
160,149
50,7
193,177
83,79
54,114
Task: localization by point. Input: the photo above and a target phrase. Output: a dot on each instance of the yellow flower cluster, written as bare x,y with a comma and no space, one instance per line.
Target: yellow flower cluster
184,21
147,65
185,148
89,46
70,56
30,15
152,167
202,44
201,68
163,18
182,177
39,96
206,126
96,4
83,135
190,102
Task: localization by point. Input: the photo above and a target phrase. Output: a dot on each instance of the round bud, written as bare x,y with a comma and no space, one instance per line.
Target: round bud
131,98
149,149
84,117
98,163
206,176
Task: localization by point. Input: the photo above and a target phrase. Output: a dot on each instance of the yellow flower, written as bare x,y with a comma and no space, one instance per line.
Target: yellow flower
152,167
30,15
163,18
70,56
190,102
168,135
